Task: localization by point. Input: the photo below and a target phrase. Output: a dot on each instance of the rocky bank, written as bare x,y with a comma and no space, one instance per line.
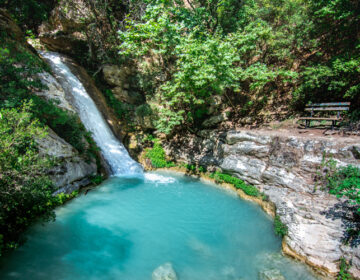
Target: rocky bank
283,167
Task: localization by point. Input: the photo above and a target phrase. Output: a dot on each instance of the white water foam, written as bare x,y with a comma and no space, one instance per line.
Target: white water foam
157,178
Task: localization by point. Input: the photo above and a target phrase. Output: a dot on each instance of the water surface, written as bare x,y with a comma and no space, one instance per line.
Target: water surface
126,228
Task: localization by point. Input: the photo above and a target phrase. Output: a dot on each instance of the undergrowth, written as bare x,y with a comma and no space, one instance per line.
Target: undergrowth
238,183
343,273
343,182
157,156
279,228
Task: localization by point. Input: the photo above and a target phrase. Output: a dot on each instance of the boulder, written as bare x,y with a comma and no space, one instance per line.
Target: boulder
71,171
116,76
127,96
164,272
213,121
71,44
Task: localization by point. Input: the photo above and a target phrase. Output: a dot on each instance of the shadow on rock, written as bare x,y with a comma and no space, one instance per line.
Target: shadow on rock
350,219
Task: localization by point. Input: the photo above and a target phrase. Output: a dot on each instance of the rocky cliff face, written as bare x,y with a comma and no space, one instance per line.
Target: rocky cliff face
72,171
283,167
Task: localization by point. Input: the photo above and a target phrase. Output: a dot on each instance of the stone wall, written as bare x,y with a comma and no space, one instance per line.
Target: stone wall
283,167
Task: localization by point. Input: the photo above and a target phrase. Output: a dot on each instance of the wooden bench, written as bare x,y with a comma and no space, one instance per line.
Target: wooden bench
325,107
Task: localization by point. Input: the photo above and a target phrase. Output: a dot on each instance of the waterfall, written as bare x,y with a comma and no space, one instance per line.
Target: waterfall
114,152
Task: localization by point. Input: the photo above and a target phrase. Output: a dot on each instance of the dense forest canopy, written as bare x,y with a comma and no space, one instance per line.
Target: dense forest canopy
306,50
251,51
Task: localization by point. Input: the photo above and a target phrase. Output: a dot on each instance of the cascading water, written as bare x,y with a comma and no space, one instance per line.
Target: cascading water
113,151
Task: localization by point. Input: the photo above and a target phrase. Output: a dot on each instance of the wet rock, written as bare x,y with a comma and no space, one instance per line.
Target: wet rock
164,272
272,274
54,92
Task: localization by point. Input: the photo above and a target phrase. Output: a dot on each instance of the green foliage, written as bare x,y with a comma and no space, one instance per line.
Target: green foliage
29,13
121,109
198,63
157,156
345,182
25,190
238,183
279,228
143,110
64,123
252,50
18,68
61,198
97,179
19,82
344,268
190,167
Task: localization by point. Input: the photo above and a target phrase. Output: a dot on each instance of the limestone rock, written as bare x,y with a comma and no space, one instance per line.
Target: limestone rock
283,167
55,146
64,31
215,103
126,96
115,75
164,272
248,169
247,148
54,92
233,137
212,121
356,151
72,44
72,171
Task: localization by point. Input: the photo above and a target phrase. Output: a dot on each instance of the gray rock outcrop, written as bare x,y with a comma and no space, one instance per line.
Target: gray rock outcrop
71,171
283,167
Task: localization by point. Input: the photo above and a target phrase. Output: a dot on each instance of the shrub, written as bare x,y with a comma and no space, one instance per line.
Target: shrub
121,109
279,227
25,190
238,183
345,182
157,156
343,273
